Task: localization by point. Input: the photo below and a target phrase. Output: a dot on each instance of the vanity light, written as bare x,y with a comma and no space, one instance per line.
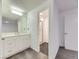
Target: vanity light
17,11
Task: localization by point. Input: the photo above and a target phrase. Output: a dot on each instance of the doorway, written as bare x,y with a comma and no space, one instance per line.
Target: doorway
43,31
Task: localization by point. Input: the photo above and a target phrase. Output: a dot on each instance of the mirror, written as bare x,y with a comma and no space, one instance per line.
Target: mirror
16,11
27,16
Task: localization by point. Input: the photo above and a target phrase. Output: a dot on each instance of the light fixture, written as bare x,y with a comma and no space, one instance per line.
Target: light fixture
41,14
17,11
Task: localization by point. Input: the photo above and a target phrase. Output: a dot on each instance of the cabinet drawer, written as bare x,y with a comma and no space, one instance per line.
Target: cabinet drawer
9,46
9,42
9,52
25,37
1,58
9,49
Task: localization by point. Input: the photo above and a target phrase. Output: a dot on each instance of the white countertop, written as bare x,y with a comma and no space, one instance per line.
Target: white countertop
4,35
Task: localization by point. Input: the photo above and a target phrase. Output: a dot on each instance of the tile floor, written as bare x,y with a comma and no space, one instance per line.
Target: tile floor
66,54
31,54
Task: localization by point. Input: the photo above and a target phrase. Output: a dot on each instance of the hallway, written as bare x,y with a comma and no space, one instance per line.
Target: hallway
44,48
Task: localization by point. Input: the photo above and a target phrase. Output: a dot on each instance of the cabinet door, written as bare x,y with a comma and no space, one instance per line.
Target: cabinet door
22,42
19,44
26,41
1,48
9,46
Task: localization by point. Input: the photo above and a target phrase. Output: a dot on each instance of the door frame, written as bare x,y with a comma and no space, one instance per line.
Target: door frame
39,25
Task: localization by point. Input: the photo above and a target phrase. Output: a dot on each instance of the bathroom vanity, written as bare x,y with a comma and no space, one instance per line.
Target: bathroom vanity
15,43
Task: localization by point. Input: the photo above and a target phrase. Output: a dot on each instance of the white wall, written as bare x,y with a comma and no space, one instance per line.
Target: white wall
53,30
0,17
33,29
33,25
73,15
61,24
1,47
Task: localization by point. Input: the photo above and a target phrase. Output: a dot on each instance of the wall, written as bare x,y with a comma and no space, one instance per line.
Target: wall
11,26
61,24
33,25
1,47
53,30
72,15
0,17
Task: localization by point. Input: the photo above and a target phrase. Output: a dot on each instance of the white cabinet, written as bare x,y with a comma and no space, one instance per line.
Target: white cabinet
15,44
1,58
1,48
9,46
19,43
22,42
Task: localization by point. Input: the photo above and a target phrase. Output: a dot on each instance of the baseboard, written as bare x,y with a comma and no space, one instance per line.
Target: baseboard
72,50
62,47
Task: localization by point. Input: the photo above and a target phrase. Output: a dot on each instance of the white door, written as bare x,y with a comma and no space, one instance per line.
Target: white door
71,31
41,32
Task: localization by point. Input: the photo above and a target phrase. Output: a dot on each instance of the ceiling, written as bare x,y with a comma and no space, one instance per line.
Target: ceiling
25,5
28,5
64,5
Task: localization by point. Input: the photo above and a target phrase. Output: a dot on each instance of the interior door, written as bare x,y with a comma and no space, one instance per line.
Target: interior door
71,31
41,32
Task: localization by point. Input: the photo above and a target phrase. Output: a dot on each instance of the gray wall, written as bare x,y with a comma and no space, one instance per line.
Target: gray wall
11,26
